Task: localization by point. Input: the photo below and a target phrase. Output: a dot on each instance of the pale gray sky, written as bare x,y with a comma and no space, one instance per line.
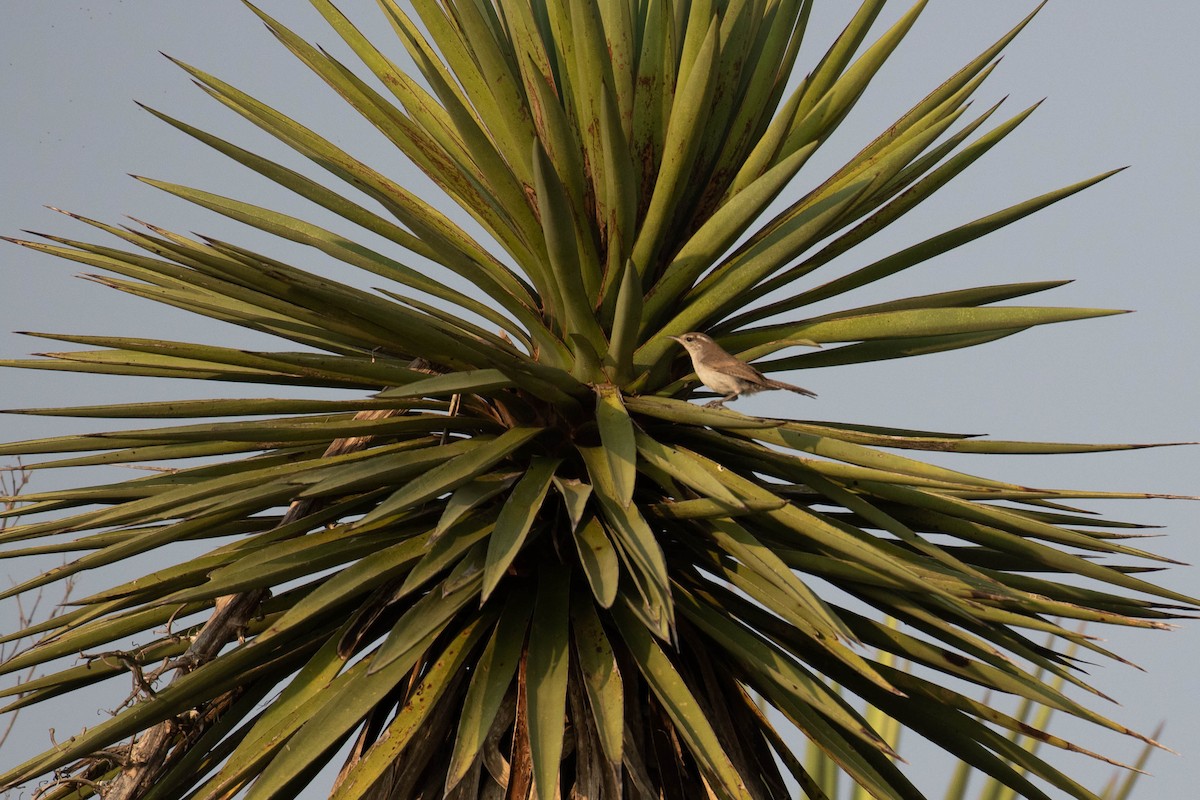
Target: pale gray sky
1120,81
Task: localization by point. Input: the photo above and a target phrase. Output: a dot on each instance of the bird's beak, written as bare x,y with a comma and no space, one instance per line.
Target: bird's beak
676,338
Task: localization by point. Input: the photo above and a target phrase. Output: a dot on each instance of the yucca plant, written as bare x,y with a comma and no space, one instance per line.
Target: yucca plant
514,560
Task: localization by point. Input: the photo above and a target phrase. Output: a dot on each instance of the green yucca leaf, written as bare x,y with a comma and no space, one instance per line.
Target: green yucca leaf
680,145
720,231
414,716
489,686
480,380
917,322
617,438
598,560
927,249
502,208
654,89
477,459
627,318
515,520
772,50
669,687
772,667
634,539
279,430
272,729
341,708
545,679
221,407
516,299
470,495
575,494
601,677
591,72
686,413
687,467
567,279
837,57
762,256
637,170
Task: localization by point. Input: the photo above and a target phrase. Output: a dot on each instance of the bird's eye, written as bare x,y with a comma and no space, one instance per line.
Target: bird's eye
689,338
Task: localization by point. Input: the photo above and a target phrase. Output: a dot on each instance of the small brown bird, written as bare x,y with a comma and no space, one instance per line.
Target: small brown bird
725,374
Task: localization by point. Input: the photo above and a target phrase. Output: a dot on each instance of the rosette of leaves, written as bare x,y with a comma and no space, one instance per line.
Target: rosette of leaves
517,561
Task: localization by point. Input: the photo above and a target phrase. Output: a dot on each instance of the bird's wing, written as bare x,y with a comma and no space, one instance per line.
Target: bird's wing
740,369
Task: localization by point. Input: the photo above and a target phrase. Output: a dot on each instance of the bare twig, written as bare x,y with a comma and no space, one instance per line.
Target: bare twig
69,781
13,481
143,682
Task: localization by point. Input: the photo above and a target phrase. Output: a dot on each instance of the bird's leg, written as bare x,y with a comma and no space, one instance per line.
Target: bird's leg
722,401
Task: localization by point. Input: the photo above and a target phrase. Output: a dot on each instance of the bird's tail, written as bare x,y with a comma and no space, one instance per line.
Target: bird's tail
774,384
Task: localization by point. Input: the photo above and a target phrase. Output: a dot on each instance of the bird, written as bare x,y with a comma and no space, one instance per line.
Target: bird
725,374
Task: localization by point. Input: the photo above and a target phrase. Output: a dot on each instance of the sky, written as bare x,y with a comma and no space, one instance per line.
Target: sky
1118,79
